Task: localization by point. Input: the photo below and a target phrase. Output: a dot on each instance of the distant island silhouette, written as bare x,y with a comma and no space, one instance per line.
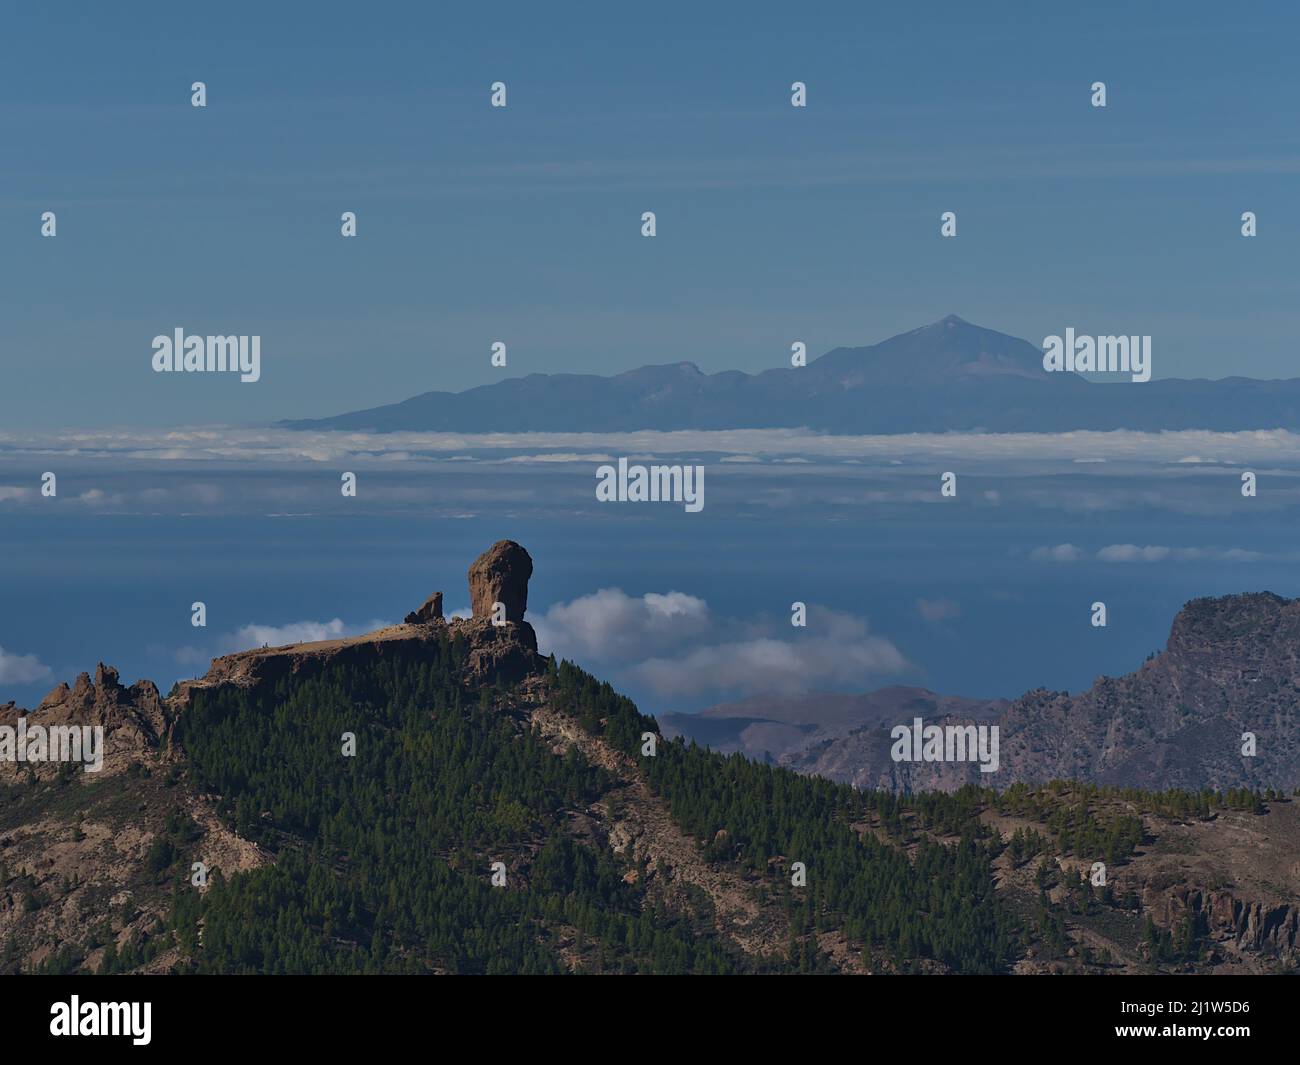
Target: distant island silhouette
948,376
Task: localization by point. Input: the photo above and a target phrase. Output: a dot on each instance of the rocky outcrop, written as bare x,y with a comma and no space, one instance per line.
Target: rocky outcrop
1268,929
1265,928
267,665
134,719
1231,666
137,717
505,653
500,575
498,653
430,610
1255,926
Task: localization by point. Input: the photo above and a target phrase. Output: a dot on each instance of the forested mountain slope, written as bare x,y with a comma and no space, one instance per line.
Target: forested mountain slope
438,798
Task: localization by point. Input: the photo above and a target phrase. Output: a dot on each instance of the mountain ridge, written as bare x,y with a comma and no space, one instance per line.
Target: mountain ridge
1231,666
950,375
619,850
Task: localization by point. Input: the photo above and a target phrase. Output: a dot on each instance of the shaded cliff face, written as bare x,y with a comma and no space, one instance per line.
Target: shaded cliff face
1231,666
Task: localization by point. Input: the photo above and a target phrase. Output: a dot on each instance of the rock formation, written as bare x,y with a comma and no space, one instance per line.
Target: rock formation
430,610
1231,666
134,719
493,653
500,575
137,717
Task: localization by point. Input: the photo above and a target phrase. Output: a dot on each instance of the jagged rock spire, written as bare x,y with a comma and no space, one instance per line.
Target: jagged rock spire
431,610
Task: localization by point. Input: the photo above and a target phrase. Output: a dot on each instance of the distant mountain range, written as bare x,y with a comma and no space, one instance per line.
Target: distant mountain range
800,729
1231,666
949,376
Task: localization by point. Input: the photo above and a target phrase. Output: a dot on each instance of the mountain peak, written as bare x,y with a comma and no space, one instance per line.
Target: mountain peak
950,350
949,322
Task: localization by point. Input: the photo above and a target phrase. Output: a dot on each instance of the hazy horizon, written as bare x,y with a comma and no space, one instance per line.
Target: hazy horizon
521,224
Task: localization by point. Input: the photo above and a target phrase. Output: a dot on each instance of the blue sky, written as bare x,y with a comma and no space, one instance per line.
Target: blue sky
522,225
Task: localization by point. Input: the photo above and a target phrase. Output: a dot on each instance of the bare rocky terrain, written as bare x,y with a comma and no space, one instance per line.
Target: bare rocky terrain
1231,666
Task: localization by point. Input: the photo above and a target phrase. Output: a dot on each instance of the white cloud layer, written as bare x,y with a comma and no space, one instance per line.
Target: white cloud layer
1147,553
674,645
1162,553
279,472
21,669
837,651
610,624
1057,553
254,635
242,444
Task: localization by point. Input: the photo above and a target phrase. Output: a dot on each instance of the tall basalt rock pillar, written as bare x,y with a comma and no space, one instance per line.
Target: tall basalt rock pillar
500,575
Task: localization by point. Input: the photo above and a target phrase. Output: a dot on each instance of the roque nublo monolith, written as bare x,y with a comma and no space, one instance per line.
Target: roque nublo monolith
500,575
